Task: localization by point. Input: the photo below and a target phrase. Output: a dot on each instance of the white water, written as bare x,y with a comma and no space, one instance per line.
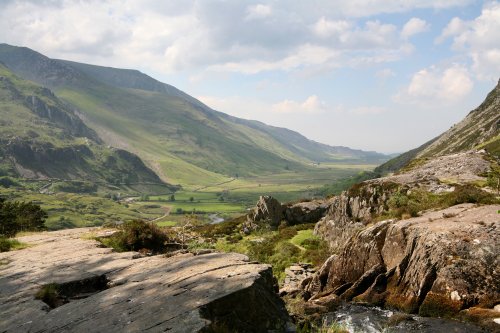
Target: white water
214,219
357,318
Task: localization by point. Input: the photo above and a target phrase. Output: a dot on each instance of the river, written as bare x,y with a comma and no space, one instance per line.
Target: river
214,219
357,318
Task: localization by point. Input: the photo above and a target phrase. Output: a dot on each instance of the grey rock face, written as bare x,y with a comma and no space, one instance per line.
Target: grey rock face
270,210
183,293
437,264
267,209
351,211
305,212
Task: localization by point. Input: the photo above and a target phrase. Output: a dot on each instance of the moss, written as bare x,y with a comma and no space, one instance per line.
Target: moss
49,294
480,316
435,305
398,318
397,301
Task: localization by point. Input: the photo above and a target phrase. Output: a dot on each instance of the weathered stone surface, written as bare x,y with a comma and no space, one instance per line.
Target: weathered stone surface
183,293
270,210
354,209
350,212
437,264
306,212
294,278
267,209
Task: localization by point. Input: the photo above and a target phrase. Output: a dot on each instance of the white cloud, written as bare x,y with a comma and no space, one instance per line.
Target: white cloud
258,11
247,37
478,39
453,28
325,28
311,105
437,86
414,26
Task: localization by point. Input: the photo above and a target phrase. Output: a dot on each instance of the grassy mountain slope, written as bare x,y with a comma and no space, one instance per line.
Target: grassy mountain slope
42,138
181,138
479,129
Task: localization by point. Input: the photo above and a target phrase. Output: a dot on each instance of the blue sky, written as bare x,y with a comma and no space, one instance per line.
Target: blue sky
369,74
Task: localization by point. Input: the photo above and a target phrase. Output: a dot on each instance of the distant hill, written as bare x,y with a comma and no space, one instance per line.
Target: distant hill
480,129
182,139
42,138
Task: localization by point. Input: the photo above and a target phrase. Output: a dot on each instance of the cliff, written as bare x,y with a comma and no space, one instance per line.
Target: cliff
443,263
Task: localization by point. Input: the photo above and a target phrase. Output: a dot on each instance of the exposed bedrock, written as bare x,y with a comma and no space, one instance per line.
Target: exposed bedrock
437,264
97,290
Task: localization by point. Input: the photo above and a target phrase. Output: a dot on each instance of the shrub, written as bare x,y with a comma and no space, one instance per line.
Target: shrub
138,235
8,182
18,216
469,194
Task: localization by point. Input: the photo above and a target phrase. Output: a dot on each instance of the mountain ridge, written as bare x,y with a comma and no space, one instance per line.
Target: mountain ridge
43,139
479,129
183,138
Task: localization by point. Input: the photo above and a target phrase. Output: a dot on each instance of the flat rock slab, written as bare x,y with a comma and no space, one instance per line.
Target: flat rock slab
153,294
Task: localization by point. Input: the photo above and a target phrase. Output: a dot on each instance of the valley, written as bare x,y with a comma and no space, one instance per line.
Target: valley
139,185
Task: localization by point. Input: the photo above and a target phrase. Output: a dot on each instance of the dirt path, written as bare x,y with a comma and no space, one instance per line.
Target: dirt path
219,184
167,210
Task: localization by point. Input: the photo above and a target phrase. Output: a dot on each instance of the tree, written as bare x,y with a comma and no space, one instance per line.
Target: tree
18,216
191,199
172,198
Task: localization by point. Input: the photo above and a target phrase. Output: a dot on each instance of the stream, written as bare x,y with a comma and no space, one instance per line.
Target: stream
357,318
214,219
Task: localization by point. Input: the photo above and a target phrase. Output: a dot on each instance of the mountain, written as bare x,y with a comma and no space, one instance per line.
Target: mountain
480,129
42,138
182,139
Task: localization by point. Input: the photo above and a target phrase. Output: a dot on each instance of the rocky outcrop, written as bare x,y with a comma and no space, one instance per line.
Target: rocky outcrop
439,264
100,290
270,210
296,278
58,115
305,212
354,209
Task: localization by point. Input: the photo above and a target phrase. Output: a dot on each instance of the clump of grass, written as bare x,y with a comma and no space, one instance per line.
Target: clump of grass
9,244
323,327
49,294
409,204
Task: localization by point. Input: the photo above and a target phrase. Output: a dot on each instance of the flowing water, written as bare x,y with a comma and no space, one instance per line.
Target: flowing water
357,318
214,219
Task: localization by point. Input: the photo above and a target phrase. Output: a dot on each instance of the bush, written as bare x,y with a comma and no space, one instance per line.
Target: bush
138,235
8,182
469,194
18,216
403,204
75,187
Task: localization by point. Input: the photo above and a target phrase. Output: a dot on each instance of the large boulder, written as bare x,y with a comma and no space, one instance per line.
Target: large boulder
85,288
271,211
438,264
305,212
268,209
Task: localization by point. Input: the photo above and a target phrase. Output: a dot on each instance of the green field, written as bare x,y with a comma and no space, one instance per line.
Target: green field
227,200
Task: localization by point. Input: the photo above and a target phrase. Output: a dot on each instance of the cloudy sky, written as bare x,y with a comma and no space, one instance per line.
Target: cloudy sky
373,74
